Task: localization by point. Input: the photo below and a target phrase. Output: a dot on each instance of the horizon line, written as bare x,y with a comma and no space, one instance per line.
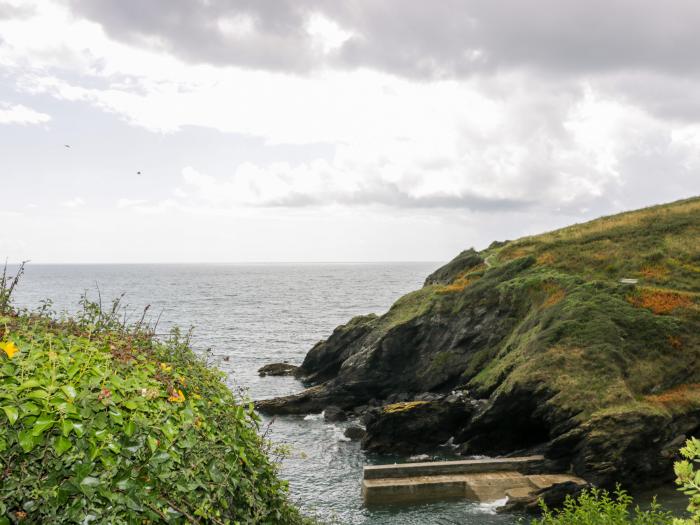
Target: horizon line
142,263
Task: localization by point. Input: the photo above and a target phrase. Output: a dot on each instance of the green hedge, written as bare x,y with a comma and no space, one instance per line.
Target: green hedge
102,423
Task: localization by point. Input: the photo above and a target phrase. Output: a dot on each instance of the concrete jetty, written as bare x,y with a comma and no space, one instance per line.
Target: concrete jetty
482,480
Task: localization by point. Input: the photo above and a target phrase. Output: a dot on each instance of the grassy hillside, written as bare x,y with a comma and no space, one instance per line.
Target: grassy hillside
603,375
103,423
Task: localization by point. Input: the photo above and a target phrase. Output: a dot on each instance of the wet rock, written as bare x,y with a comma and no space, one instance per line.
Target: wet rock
553,496
333,413
278,369
354,432
311,400
413,426
359,410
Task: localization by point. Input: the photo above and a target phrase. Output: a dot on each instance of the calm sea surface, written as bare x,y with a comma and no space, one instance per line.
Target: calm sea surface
256,314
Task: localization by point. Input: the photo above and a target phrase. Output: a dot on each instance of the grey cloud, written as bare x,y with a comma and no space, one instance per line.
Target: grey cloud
418,38
8,11
388,194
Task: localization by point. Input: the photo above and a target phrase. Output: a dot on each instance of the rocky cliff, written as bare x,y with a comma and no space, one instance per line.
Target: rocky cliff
545,343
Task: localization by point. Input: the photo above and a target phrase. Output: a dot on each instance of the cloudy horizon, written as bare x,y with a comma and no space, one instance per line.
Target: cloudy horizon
240,130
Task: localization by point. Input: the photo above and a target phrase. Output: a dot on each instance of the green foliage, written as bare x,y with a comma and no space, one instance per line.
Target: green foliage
688,479
599,507
104,423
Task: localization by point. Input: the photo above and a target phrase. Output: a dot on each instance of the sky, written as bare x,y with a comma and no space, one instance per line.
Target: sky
307,130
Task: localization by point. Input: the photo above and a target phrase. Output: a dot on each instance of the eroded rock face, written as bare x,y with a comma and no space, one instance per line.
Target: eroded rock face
413,427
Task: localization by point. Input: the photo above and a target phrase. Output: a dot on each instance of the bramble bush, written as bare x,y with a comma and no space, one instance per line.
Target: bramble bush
104,423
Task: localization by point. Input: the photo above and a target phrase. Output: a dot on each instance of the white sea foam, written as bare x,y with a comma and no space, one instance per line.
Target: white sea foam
491,506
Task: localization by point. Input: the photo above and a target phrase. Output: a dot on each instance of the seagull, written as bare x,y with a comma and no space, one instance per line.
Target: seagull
138,173
67,145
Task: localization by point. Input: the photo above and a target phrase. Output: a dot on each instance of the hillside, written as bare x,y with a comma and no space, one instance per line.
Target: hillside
535,344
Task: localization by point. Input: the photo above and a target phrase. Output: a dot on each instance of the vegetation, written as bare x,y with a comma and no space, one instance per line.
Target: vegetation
688,479
105,423
599,507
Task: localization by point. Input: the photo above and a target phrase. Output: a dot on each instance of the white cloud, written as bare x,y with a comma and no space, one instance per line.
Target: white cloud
327,35
19,114
75,202
130,203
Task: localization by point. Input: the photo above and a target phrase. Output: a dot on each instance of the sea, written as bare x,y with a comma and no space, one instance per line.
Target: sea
247,315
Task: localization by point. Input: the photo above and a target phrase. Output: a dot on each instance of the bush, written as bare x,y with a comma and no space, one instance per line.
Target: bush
102,423
688,479
599,507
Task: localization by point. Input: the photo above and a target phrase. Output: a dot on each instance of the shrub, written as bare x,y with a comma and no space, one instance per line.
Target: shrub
102,423
688,479
599,507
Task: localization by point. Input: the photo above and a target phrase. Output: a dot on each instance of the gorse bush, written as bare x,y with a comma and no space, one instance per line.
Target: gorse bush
599,507
104,423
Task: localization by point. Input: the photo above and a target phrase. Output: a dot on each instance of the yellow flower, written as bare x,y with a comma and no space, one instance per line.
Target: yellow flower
177,397
9,348
165,368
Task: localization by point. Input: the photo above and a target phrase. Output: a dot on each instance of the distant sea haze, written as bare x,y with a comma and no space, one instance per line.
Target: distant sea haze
253,314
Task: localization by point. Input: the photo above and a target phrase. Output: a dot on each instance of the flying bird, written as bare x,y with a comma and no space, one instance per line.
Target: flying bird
67,145
138,173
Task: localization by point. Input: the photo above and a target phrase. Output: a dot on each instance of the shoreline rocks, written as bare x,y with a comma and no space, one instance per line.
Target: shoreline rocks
278,369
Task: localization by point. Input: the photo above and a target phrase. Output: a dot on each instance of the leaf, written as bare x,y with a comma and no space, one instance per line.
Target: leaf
70,392
26,440
89,484
79,429
61,445
66,427
152,443
12,414
129,428
3,445
29,383
43,422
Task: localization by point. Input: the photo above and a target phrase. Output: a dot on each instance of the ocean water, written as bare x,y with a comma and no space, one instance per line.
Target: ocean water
250,315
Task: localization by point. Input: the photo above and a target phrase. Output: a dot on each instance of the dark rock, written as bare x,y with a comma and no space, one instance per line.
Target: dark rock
332,414
324,360
278,369
354,432
413,426
553,497
359,410
311,400
428,396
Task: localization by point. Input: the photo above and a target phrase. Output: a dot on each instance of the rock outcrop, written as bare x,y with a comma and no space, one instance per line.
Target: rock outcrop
547,350
278,369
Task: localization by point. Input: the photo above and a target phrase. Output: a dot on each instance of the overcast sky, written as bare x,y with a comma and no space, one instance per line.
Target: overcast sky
309,130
